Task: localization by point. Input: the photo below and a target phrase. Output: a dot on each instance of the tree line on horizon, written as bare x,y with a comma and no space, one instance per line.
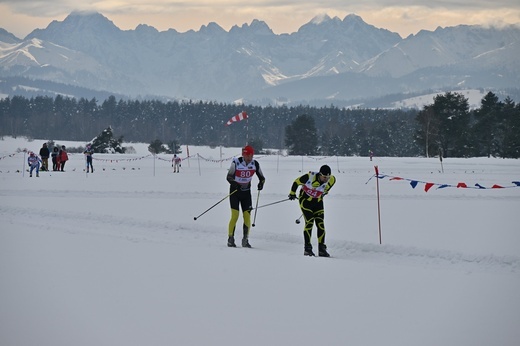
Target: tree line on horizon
447,127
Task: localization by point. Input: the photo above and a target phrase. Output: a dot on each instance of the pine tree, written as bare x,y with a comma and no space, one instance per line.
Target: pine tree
301,136
105,142
511,140
488,126
156,147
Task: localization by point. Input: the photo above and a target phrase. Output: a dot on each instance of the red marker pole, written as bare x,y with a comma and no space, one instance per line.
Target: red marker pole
378,204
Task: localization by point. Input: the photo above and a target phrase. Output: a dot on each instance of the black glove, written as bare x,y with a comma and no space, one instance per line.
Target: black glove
260,186
235,186
292,196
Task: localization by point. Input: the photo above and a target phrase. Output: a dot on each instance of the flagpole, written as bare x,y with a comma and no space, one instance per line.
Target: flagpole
378,203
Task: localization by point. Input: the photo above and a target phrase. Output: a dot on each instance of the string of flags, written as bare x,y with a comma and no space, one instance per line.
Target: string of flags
428,185
240,116
120,160
8,156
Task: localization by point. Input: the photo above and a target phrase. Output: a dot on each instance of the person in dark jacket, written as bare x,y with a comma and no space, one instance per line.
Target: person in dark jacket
88,154
44,154
54,155
239,177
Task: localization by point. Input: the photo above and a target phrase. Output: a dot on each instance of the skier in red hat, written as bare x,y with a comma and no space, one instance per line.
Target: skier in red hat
239,177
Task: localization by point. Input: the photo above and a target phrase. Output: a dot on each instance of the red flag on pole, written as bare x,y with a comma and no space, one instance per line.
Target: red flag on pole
240,116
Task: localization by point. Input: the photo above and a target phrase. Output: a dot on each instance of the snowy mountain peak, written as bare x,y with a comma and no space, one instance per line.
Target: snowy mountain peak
211,28
320,19
7,37
146,29
89,18
353,18
82,23
346,57
256,27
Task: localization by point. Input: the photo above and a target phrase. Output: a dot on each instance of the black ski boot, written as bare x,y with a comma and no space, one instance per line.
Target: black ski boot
245,239
231,242
245,242
322,250
308,251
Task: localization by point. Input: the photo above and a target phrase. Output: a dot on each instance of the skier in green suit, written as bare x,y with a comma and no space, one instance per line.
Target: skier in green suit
314,186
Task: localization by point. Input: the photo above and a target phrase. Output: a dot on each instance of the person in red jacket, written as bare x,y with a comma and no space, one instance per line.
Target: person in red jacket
64,157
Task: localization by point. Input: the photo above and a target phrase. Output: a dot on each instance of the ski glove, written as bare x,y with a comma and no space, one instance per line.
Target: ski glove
292,196
260,186
235,186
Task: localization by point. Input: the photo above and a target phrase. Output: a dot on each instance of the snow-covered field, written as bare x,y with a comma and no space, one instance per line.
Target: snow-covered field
474,97
116,258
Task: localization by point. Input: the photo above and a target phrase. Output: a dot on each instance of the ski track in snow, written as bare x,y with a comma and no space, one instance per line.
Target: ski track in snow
137,231
266,197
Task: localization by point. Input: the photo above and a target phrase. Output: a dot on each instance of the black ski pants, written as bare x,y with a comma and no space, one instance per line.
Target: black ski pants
314,213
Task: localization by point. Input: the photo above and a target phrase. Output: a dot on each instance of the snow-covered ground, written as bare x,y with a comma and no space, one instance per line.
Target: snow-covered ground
474,97
116,257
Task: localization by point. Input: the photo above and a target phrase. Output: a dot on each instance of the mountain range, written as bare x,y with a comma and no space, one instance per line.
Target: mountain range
327,61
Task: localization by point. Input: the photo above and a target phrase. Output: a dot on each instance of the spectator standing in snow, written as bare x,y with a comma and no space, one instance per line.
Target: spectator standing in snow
34,163
88,154
64,157
239,177
44,154
176,163
55,163
314,186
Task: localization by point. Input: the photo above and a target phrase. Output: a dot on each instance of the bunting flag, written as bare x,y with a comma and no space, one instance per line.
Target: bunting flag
120,160
240,116
429,185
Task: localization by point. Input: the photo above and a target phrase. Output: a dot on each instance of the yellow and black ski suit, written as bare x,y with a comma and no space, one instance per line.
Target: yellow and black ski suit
311,203
239,177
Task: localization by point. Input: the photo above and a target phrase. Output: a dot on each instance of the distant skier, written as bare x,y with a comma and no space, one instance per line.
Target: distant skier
315,185
176,163
88,154
239,177
34,163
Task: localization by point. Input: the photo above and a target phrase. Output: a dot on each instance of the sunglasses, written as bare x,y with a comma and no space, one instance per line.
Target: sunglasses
325,177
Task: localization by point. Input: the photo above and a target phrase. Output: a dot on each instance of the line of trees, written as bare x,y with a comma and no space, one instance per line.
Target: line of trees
447,125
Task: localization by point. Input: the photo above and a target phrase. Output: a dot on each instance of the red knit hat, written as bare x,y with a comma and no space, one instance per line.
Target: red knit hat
248,150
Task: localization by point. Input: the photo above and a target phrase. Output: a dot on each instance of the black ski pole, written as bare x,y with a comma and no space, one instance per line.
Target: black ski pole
298,219
256,207
266,205
214,205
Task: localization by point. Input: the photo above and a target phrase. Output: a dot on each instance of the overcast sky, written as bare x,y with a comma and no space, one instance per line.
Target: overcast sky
405,17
